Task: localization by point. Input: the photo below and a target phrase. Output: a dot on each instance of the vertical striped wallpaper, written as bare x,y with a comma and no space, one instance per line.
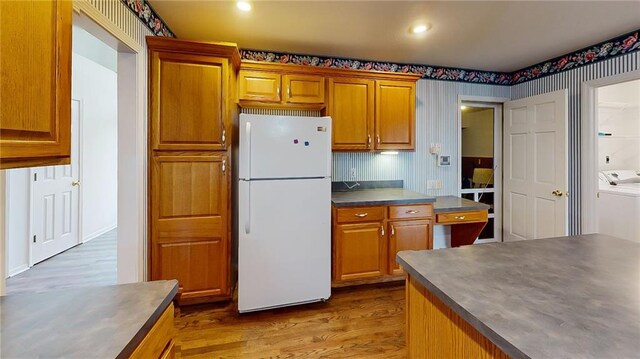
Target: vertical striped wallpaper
436,122
280,112
572,81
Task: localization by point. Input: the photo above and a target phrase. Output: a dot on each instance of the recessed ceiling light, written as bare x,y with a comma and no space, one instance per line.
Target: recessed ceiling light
418,29
244,5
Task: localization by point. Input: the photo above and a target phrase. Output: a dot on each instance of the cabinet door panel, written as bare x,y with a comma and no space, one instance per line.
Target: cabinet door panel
189,210
199,266
408,236
395,115
360,251
187,106
35,82
303,88
351,107
259,86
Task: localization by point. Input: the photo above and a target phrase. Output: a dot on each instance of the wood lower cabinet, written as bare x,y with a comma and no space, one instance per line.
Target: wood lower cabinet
192,113
190,211
159,342
351,107
35,83
367,239
359,251
395,115
408,236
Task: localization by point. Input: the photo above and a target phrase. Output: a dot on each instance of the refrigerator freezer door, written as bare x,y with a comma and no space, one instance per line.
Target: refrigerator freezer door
285,258
274,147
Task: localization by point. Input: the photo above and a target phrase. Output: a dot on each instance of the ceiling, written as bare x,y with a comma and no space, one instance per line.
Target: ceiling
483,35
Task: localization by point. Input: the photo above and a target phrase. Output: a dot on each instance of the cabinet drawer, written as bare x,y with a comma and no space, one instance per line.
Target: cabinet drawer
359,214
411,211
462,217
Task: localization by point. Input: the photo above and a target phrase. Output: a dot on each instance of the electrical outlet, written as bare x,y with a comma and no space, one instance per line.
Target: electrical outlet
434,184
353,173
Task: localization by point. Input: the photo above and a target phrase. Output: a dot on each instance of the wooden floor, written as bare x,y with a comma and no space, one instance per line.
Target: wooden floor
89,264
364,322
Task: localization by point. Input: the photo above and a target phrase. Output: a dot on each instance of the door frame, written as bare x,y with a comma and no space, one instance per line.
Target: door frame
132,140
497,104
589,147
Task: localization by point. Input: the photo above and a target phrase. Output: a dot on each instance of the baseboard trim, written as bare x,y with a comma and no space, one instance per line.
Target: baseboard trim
17,270
98,233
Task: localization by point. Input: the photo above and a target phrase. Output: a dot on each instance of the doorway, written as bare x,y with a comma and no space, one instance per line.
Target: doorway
128,149
618,159
480,152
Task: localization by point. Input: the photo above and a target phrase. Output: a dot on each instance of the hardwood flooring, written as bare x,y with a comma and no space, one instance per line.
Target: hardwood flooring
88,264
357,322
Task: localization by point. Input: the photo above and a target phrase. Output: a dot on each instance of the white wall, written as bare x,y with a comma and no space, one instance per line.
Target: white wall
96,88
619,114
17,243
477,133
3,266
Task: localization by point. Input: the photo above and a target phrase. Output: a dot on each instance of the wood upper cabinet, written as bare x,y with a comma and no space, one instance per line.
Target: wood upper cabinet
189,210
259,86
35,83
359,251
395,115
188,109
408,235
273,87
351,107
303,89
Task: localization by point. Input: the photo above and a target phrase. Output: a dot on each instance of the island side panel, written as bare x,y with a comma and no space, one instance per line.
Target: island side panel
435,331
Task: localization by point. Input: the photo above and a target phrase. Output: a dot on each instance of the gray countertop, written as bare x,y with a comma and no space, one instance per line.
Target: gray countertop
400,196
98,322
568,297
454,204
379,197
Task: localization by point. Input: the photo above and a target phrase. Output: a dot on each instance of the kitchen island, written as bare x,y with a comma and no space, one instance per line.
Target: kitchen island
120,321
567,297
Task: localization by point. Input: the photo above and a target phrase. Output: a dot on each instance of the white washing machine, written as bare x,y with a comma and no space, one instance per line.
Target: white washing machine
619,204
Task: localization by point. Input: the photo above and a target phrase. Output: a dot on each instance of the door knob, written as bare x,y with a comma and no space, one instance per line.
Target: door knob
75,183
557,193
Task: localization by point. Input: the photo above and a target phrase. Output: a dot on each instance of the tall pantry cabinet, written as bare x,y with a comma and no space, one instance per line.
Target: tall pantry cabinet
192,111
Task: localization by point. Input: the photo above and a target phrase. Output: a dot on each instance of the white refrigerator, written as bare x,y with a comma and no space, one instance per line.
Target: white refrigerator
284,219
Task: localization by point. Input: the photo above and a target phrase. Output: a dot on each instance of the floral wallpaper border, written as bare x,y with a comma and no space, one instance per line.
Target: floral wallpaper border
617,46
149,17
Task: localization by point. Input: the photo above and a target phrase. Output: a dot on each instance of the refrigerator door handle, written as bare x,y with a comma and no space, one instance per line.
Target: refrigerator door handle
247,161
247,206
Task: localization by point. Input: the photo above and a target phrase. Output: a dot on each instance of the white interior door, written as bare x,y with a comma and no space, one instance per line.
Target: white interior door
54,202
535,167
